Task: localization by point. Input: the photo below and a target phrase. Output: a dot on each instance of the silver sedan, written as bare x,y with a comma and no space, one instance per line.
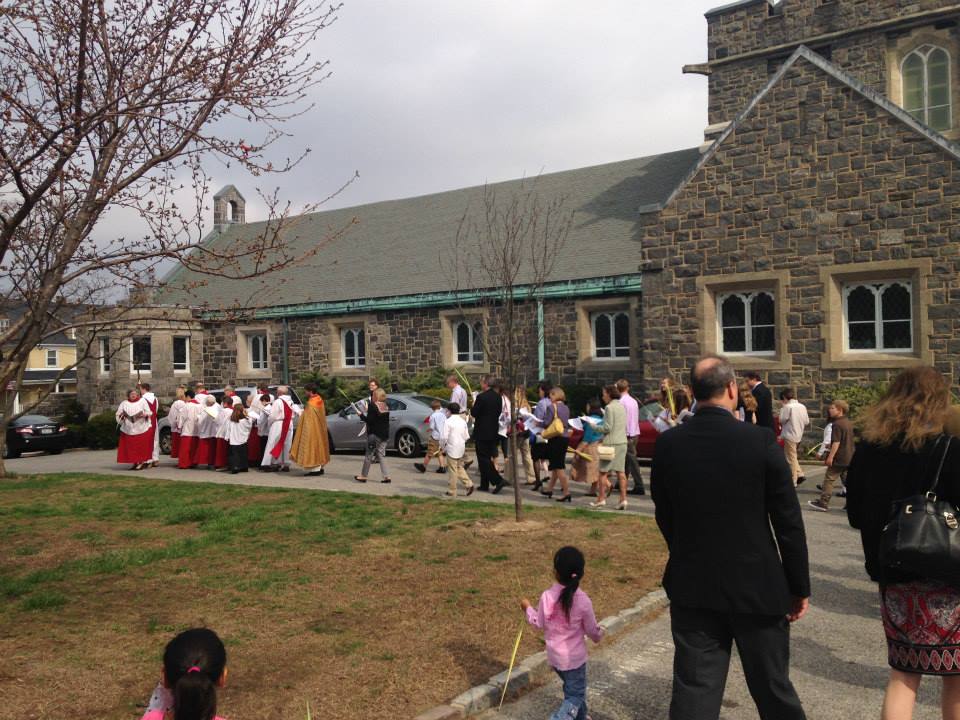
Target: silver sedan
409,425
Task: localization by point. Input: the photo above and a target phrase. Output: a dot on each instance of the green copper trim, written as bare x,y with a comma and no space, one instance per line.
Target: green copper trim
621,285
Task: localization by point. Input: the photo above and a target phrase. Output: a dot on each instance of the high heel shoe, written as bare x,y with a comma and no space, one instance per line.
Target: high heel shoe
622,505
599,503
537,485
565,498
548,494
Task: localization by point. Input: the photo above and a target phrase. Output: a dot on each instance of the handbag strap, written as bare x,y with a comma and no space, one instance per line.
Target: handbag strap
943,459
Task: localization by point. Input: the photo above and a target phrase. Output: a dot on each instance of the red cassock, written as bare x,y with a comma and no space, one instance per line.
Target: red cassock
174,445
135,448
220,456
204,451
254,448
188,444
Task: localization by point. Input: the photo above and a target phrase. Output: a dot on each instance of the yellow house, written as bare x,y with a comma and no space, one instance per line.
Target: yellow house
44,369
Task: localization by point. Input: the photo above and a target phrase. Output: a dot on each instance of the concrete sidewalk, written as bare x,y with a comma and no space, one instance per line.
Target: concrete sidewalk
838,650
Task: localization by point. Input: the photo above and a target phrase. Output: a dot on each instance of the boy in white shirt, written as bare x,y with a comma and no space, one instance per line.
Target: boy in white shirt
793,421
438,419
453,442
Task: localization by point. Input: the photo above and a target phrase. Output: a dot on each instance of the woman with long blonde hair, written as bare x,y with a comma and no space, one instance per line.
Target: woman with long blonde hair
903,442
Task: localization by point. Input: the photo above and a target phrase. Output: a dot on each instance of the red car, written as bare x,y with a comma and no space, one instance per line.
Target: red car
648,433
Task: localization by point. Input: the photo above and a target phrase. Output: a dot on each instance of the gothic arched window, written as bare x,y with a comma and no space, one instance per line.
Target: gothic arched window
926,86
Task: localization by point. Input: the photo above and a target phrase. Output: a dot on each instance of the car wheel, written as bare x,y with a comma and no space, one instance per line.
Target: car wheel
9,454
166,441
333,448
55,452
408,444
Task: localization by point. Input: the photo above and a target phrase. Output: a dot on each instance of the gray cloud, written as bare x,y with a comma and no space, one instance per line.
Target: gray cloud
430,95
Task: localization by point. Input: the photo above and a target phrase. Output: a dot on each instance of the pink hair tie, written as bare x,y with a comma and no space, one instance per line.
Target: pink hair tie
194,669
573,575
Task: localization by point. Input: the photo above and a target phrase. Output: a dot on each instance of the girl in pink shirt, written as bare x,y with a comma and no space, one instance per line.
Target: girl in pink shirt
194,666
565,614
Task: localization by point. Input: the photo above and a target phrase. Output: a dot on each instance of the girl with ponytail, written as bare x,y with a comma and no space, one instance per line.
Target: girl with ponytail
194,666
565,614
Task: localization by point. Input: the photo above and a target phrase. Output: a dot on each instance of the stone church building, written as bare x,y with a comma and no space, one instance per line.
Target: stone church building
812,237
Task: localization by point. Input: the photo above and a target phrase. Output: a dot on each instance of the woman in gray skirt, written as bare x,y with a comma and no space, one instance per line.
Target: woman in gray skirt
614,428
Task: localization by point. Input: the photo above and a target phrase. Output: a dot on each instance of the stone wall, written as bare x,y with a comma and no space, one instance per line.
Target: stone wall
759,25
817,180
98,391
862,53
406,342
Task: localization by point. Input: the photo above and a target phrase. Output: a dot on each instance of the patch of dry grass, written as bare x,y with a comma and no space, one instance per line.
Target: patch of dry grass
367,607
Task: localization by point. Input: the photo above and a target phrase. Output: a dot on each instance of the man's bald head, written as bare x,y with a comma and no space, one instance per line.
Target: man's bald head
711,378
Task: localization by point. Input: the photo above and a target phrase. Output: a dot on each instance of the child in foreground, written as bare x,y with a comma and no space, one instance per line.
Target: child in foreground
194,666
565,614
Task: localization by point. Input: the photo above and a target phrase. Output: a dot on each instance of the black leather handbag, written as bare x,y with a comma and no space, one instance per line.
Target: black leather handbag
923,534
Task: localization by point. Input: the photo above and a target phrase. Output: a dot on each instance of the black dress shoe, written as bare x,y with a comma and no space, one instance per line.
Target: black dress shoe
497,488
638,491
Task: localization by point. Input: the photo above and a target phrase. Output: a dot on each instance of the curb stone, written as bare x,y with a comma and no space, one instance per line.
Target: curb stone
535,667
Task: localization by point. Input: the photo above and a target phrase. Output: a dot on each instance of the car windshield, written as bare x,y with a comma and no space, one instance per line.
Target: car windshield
650,411
33,420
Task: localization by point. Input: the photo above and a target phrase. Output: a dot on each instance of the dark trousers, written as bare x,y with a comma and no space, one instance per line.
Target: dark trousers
486,452
237,458
703,639
633,465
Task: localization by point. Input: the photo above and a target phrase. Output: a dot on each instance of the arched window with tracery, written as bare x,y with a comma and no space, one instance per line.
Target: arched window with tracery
926,86
469,342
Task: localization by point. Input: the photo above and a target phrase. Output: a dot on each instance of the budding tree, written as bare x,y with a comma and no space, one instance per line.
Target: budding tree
119,104
506,251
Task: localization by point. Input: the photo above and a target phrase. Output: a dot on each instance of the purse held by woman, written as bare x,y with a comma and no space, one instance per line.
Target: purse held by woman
606,452
922,536
555,428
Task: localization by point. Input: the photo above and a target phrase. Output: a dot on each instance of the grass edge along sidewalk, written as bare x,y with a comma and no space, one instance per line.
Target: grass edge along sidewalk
532,670
290,579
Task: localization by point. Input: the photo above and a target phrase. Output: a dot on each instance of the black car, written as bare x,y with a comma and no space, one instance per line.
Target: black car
34,433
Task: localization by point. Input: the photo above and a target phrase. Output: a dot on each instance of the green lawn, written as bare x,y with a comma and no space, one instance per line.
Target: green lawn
366,606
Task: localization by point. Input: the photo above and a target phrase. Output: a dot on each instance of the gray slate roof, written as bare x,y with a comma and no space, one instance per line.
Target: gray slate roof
394,247
31,377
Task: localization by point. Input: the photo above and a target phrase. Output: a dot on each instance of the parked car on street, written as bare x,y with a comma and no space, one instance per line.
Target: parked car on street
35,433
409,425
648,433
243,392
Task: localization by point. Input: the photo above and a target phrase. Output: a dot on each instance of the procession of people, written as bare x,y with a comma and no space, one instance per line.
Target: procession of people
559,448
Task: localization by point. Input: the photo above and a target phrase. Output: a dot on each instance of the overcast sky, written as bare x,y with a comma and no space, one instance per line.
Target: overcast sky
431,95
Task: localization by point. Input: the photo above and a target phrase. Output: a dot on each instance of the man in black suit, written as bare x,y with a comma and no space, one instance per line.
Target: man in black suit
486,432
738,568
764,399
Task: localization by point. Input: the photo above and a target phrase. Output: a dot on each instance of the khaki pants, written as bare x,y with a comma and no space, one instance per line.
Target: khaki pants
523,447
455,471
829,480
790,450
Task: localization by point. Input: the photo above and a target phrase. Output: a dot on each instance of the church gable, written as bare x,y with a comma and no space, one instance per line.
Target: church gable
819,182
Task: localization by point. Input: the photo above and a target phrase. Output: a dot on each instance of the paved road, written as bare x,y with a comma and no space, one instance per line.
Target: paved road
839,653
339,477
